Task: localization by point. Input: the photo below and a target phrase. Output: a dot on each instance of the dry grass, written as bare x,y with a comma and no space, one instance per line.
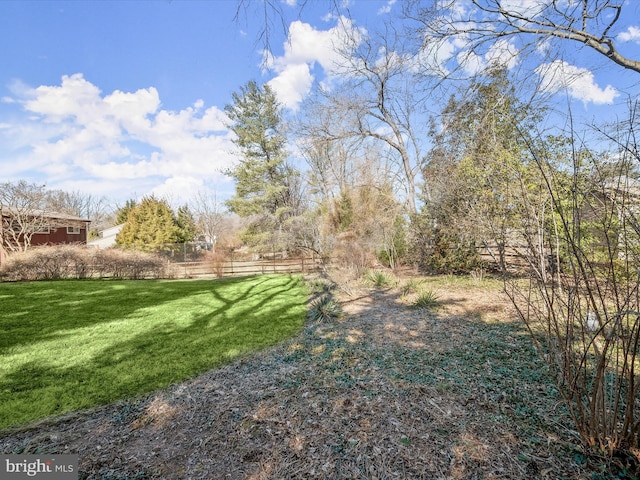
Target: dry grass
387,391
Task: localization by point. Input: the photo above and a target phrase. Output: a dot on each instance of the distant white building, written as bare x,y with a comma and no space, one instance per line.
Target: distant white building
107,237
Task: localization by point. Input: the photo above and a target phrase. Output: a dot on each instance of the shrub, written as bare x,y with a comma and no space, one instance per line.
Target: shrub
129,264
352,255
426,299
583,308
48,263
75,261
217,260
437,251
62,261
379,278
325,309
320,286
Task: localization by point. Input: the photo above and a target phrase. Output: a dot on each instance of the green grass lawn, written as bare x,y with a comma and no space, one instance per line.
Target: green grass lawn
67,345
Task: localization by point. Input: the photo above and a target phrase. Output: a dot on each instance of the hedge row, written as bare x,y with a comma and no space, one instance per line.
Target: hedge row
69,261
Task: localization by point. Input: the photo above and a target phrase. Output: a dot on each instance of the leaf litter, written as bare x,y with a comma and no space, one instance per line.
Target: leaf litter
386,391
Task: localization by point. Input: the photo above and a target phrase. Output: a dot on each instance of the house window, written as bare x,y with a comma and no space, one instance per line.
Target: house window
73,230
43,229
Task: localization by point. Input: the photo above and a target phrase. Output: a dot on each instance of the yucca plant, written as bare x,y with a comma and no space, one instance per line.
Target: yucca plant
426,299
379,278
325,309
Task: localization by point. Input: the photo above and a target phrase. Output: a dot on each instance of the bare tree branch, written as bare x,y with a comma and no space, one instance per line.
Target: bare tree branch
592,25
21,214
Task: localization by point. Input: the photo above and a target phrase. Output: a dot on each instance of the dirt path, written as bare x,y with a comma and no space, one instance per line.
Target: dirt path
386,392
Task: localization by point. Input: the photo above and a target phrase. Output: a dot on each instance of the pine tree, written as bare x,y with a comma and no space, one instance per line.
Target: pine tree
150,225
123,213
265,183
187,224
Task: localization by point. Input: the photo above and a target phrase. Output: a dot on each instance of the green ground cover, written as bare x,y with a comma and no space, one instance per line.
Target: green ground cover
68,345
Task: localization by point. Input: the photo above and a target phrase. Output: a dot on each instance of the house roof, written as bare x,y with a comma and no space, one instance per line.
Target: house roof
6,211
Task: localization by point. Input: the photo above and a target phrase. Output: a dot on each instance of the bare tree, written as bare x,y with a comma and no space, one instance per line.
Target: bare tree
83,205
273,17
209,214
593,24
334,152
358,215
378,98
21,209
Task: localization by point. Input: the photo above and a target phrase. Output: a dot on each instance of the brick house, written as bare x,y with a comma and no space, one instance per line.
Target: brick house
52,228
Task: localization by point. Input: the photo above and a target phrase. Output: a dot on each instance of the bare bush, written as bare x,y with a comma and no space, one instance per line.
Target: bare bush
129,264
217,259
76,262
48,263
62,261
583,307
352,255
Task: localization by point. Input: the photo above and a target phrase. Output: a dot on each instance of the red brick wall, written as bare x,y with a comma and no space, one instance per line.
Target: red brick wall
59,235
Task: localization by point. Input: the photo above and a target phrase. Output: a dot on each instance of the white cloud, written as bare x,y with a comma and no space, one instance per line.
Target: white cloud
57,103
292,84
579,82
175,184
502,52
631,35
434,55
524,8
543,47
471,62
74,134
305,48
387,7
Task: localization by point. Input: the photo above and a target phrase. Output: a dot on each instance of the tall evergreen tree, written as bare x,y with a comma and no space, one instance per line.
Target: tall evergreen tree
265,183
123,212
187,224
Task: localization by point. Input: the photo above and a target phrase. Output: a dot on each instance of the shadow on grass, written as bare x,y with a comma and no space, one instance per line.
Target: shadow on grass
36,311
215,322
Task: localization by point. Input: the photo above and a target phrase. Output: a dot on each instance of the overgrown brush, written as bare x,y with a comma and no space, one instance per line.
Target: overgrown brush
47,263
352,256
217,260
77,262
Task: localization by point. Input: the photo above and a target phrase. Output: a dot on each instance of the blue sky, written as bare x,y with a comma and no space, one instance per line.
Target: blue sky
125,98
